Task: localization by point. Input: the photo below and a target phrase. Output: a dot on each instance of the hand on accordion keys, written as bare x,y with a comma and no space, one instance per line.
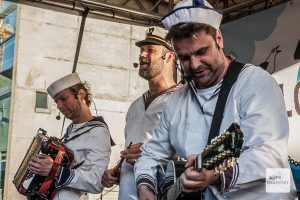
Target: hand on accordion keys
41,164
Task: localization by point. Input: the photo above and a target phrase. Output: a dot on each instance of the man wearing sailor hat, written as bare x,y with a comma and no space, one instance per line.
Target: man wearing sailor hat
255,103
157,63
87,137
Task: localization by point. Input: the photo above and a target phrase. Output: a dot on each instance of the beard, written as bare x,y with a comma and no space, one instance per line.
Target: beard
149,70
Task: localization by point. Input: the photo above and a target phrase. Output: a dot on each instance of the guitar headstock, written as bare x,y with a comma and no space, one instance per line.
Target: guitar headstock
223,152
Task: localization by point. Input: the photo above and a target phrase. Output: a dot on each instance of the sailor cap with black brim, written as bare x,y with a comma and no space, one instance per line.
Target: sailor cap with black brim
63,83
155,35
199,11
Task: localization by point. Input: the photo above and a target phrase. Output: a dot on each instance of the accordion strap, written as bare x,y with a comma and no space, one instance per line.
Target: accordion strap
49,179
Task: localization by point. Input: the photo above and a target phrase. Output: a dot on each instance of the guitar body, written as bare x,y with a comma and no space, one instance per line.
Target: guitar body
221,154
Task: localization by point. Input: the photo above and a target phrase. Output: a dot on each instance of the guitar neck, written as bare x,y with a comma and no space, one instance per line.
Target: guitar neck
198,163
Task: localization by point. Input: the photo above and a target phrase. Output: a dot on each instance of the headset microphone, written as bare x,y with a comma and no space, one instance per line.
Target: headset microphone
58,116
135,65
164,56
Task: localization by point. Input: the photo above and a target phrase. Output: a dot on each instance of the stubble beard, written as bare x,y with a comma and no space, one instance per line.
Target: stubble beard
150,72
75,114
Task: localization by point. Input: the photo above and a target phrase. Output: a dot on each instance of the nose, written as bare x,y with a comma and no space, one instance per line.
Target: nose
194,62
143,54
59,105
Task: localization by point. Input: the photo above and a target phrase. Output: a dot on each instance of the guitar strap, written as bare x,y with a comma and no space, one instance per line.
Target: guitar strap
229,79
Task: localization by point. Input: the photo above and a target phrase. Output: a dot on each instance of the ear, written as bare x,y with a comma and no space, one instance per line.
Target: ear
170,56
219,39
81,94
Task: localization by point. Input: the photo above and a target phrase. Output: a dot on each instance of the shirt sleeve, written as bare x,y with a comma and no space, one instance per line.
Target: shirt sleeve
158,149
264,122
88,176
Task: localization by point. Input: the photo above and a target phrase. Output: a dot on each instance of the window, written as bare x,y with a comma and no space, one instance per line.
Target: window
2,168
41,102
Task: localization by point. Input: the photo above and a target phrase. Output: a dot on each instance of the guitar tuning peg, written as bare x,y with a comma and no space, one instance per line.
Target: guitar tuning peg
230,162
212,140
217,170
224,165
215,159
223,137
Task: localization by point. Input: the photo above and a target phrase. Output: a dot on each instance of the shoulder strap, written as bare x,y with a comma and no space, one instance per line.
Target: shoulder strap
230,77
101,119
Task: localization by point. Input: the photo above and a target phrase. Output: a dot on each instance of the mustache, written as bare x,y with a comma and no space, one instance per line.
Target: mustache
144,61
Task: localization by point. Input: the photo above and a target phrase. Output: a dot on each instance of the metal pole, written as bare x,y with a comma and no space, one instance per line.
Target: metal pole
81,30
241,6
118,8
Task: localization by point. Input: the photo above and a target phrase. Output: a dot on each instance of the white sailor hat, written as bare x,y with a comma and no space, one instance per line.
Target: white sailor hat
199,11
155,35
63,83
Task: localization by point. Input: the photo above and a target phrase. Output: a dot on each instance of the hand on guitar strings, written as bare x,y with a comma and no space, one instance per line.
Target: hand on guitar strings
41,164
109,178
192,180
132,153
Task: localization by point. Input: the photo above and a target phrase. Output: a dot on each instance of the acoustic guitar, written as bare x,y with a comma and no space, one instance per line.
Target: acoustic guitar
221,154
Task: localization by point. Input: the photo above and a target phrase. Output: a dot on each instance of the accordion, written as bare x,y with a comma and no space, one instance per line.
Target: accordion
42,187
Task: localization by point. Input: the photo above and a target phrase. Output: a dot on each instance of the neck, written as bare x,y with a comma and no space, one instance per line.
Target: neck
160,83
85,115
221,75
227,61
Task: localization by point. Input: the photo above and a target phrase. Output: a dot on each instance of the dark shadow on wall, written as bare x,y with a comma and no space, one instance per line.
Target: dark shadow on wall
240,35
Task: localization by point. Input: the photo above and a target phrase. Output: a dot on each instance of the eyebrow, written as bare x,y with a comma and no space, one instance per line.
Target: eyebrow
201,49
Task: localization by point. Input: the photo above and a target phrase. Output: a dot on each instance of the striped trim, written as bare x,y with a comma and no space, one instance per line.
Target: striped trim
96,122
193,89
235,176
189,7
166,184
159,39
229,178
65,177
217,91
85,131
145,97
166,92
147,180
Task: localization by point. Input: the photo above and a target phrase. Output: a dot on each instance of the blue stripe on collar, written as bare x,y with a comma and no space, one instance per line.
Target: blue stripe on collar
198,3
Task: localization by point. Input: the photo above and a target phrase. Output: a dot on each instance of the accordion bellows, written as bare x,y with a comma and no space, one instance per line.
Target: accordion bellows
42,187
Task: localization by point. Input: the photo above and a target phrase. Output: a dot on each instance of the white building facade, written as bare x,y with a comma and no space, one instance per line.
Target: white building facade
44,50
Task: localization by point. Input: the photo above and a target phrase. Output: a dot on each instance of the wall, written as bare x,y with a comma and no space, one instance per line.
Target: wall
45,48
289,80
251,38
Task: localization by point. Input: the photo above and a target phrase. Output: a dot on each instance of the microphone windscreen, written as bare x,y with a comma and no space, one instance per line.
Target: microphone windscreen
58,116
135,65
